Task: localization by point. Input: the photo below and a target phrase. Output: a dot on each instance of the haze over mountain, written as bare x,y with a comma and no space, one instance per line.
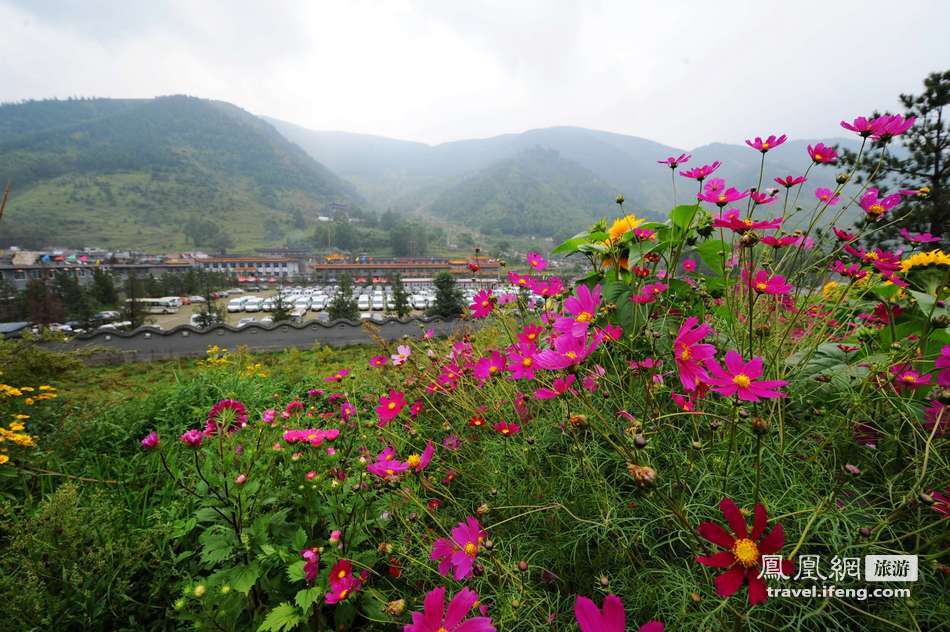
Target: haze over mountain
142,173
410,176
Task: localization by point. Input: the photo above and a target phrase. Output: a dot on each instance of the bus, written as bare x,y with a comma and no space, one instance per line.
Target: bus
167,305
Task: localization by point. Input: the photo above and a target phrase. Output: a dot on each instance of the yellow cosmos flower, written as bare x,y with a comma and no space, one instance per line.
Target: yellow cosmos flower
621,226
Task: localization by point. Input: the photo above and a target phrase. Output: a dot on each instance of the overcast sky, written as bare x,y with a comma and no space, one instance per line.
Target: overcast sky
679,72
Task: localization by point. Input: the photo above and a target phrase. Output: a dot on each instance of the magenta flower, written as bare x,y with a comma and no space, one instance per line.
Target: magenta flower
790,181
436,618
827,196
419,462
311,564
853,271
649,293
530,334
673,162
390,406
521,361
843,235
537,262
386,465
566,351
506,428
762,199
937,414
227,413
765,283
822,154
347,410
612,619
378,361
150,441
457,554
551,286
861,125
739,378
942,502
905,378
690,354
521,280
560,386
343,582
919,238
771,142
488,367
416,408
402,355
338,376
192,438
943,363
701,173
716,193
876,207
583,307
689,265
482,305
779,242
732,221
888,126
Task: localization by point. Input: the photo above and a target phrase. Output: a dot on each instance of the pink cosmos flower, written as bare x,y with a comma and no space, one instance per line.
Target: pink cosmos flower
876,207
390,406
482,305
937,413
919,238
790,181
942,502
822,154
673,162
192,438
943,363
429,334
649,293
520,280
716,193
521,361
701,173
732,221
416,408
436,618
402,355
779,242
551,286
419,462
582,307
861,125
765,283
739,378
343,582
311,564
386,465
769,143
488,367
905,378
537,262
889,126
506,428
338,376
530,334
843,235
761,199
612,619
690,354
458,553
827,196
347,410
854,270
560,386
689,265
150,441
378,361
566,351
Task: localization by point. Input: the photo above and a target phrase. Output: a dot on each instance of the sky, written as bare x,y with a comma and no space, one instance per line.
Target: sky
680,72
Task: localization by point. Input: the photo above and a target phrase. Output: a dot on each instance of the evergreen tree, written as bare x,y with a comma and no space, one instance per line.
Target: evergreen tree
134,312
924,168
400,297
343,305
103,288
211,312
42,306
10,308
75,300
448,297
282,308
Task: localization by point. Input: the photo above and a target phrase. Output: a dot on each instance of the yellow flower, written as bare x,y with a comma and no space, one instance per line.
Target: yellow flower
924,259
16,426
3,458
830,290
621,226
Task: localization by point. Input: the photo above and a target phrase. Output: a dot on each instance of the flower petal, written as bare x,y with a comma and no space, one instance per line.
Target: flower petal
459,607
716,534
587,614
733,516
615,620
774,541
729,582
723,559
761,522
757,592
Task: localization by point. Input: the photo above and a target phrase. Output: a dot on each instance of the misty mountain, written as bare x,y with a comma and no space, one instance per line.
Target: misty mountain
134,172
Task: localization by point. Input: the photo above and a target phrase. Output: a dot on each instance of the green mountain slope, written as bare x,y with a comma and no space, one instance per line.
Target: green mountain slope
134,173
538,192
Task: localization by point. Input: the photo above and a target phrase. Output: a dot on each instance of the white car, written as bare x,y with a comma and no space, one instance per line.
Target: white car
236,305
253,305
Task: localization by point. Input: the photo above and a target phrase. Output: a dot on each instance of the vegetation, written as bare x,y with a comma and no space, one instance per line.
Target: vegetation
448,297
400,297
343,305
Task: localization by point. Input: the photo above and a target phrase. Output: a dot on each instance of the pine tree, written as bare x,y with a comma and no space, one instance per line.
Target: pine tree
103,288
924,168
134,312
448,297
282,308
211,313
400,297
343,305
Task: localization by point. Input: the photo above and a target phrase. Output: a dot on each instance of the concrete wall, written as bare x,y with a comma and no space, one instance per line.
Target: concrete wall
146,344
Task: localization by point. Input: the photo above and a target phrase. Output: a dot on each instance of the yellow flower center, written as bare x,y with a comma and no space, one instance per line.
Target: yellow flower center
486,303
818,157
505,431
824,197
527,362
414,460
471,549
722,197
765,145
391,405
344,593
571,355
532,336
390,472
909,377
442,628
585,317
341,575
876,209
746,552
493,369
741,380
760,286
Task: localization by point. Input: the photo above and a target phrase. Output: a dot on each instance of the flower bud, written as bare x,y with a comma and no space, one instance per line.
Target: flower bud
522,566
619,200
643,475
760,425
240,479
604,580
396,607
841,178
927,499
199,591
640,441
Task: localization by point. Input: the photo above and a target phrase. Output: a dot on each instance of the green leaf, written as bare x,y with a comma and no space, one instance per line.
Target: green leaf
307,597
300,538
711,252
886,292
570,245
282,618
217,545
295,571
682,216
244,577
181,528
